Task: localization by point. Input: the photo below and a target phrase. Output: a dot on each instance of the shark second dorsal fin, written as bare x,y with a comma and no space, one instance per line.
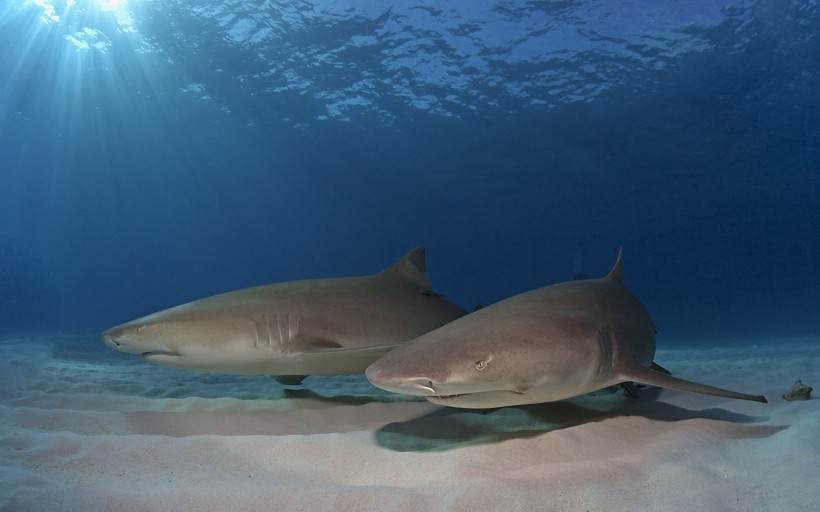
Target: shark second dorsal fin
617,272
411,268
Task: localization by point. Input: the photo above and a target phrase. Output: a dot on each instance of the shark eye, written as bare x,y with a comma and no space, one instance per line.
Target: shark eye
481,364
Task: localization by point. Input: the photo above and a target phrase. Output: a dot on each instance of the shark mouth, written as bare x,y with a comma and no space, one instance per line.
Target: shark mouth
449,397
160,353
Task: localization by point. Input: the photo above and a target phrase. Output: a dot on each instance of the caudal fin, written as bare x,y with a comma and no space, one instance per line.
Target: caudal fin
635,372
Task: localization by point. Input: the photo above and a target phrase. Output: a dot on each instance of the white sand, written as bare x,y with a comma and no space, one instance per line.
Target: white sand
85,428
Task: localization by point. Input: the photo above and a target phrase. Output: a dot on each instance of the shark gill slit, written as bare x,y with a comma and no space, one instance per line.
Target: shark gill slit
260,327
279,328
270,333
605,343
293,327
255,332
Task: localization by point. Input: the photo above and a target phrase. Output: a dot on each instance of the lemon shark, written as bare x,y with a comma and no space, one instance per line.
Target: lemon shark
547,344
309,327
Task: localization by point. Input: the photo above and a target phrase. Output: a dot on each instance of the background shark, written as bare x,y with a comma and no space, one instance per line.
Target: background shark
309,327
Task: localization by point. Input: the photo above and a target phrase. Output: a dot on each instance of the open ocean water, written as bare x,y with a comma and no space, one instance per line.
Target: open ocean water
154,152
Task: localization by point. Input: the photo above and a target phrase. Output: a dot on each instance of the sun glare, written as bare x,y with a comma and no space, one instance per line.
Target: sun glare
51,15
111,5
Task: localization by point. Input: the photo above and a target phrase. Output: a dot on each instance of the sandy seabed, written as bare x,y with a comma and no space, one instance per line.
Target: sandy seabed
84,428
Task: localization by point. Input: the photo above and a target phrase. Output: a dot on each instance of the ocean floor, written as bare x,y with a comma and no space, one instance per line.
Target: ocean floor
85,428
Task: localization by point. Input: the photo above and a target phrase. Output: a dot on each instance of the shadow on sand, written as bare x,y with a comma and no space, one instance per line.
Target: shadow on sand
450,428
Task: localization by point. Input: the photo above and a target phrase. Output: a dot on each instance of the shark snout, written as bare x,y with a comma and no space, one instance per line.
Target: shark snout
110,340
127,339
123,344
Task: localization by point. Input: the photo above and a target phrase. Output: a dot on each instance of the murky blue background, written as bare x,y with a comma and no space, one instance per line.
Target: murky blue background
155,152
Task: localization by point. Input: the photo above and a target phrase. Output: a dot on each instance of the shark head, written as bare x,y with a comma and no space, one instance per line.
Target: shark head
182,338
470,381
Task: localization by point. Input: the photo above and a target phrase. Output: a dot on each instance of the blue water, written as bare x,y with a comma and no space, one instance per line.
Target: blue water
157,151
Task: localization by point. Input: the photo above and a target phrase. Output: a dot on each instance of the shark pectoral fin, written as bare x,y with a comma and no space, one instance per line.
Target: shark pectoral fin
289,380
326,346
630,388
342,361
364,355
635,372
377,351
320,344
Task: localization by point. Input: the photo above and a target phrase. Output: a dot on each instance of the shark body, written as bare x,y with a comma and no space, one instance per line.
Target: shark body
548,344
308,327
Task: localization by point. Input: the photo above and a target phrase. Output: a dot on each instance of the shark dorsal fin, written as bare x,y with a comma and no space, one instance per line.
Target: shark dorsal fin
412,268
617,272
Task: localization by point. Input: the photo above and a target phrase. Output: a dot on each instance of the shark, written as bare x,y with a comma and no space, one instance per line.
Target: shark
548,344
288,330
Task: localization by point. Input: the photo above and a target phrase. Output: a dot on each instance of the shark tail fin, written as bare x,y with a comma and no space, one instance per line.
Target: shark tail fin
632,371
412,268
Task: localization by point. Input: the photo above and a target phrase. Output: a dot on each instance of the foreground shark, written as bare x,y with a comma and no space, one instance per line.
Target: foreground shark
311,327
548,344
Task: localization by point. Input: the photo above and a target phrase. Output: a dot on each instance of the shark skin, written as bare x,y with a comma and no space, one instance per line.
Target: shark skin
547,344
311,327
